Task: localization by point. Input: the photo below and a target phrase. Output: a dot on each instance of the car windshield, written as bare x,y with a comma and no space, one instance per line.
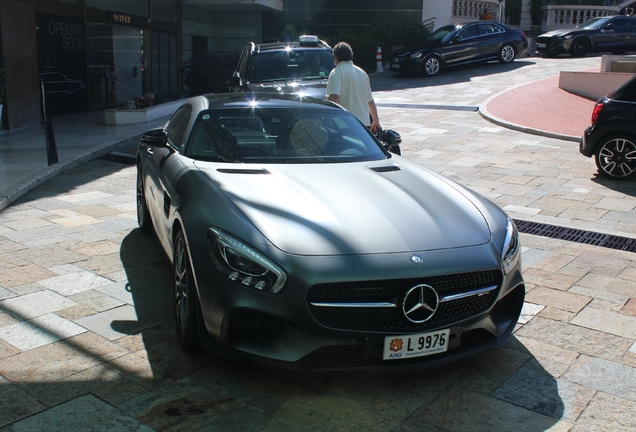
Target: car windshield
281,135
442,32
593,23
294,63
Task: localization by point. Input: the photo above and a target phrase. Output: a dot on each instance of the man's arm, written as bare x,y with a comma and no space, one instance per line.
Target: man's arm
375,120
334,98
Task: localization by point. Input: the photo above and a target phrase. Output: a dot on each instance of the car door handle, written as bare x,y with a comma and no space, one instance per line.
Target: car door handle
149,151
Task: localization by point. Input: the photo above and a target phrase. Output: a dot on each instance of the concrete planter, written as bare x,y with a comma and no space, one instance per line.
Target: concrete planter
117,117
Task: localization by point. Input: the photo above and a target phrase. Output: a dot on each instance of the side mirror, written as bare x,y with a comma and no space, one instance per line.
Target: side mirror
155,137
457,38
233,81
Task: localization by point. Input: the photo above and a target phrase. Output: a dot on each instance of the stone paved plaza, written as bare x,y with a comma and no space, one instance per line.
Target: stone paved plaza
86,331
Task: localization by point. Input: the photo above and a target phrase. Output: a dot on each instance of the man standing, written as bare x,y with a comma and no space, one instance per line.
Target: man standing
349,86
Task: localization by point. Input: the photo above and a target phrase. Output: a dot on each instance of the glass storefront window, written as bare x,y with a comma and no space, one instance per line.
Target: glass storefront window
164,63
130,7
115,62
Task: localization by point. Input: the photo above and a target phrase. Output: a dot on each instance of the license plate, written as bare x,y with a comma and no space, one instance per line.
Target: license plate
415,345
540,45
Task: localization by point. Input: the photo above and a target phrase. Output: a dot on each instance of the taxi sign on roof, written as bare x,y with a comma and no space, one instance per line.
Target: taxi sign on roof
308,39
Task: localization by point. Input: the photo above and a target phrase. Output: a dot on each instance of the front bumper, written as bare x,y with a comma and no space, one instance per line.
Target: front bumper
551,46
287,331
405,65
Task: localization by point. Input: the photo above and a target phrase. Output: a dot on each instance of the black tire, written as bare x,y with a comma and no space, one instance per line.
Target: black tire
580,47
618,52
616,156
185,299
507,53
143,215
431,66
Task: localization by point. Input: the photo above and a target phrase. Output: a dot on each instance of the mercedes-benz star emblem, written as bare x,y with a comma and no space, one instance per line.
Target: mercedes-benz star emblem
416,259
420,303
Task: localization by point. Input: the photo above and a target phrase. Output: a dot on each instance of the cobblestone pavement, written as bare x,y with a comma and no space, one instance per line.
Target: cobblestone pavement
86,331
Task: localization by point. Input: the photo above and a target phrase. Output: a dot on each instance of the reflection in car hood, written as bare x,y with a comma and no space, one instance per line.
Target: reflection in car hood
315,88
561,32
348,208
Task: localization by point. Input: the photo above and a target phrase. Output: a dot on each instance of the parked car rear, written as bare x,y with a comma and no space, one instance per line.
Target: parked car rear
611,138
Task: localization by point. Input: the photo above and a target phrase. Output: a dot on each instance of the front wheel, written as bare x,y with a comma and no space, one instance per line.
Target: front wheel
143,215
185,296
616,156
432,66
580,47
507,54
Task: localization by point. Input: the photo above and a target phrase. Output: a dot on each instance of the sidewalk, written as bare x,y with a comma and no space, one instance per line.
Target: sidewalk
79,138
539,107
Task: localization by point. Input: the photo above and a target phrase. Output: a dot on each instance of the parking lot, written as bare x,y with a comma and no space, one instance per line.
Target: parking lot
86,330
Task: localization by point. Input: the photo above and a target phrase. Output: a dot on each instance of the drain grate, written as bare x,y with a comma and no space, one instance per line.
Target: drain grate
577,235
430,106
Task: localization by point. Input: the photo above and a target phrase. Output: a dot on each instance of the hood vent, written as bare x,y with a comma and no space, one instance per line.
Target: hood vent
242,171
386,168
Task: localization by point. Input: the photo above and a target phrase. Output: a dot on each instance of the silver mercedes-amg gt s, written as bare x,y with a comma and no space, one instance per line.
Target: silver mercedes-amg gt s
297,240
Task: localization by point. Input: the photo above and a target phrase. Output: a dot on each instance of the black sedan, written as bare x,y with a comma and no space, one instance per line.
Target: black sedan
453,45
611,138
296,239
615,34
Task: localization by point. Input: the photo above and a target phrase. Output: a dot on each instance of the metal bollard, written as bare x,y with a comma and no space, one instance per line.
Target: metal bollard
51,146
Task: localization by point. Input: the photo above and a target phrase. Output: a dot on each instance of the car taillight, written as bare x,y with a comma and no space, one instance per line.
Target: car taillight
597,110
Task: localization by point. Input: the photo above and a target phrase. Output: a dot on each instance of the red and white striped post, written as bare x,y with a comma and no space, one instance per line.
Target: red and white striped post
378,60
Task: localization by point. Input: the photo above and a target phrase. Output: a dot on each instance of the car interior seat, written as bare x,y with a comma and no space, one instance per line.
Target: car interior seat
308,137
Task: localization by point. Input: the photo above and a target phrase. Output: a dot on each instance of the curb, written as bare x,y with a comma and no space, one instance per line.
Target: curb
9,196
483,111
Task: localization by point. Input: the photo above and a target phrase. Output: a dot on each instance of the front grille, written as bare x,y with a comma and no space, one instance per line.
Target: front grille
323,301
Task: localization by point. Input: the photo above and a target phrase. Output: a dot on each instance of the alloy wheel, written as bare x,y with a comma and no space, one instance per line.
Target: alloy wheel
616,158
432,66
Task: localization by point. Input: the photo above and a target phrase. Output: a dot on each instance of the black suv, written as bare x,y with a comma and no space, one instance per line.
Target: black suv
612,136
284,67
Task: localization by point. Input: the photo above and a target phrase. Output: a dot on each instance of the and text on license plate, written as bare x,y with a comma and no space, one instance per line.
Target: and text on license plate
415,345
540,45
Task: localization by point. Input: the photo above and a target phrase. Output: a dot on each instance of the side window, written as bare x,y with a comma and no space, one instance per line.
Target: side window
486,29
177,126
468,32
620,22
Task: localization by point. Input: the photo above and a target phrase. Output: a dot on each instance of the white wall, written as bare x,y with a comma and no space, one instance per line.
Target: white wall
442,10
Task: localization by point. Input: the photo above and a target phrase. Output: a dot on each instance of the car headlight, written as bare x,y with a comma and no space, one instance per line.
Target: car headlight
564,37
511,247
416,56
243,264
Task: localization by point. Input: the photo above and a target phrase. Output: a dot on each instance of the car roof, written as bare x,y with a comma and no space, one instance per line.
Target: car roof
271,100
280,46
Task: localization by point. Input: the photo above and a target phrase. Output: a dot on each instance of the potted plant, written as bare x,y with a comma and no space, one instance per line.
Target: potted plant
3,81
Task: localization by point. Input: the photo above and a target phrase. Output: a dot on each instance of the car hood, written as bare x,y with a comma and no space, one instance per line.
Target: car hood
352,208
402,52
315,88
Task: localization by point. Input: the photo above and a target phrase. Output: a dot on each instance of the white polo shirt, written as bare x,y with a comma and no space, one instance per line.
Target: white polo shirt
352,85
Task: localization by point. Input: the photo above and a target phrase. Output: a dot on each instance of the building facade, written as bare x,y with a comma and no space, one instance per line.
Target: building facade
68,56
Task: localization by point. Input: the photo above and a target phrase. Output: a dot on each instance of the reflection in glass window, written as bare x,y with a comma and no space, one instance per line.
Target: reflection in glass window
131,7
